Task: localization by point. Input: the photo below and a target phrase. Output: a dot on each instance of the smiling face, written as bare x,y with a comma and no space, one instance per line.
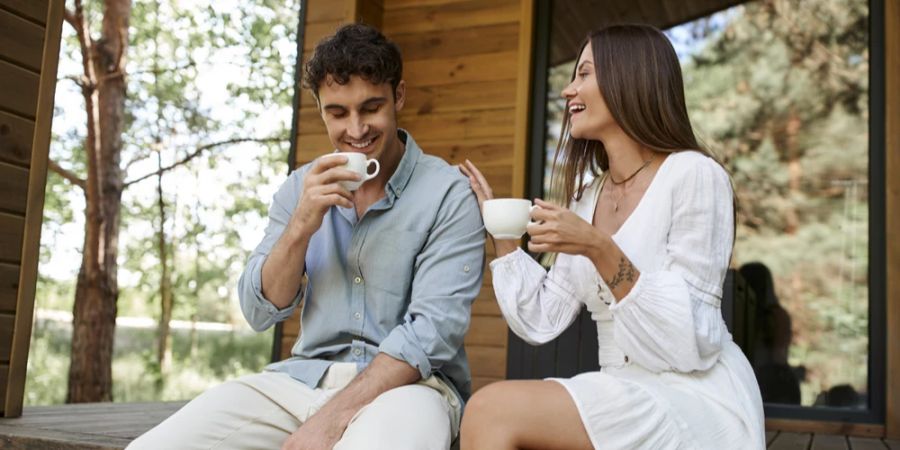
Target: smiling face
588,115
362,117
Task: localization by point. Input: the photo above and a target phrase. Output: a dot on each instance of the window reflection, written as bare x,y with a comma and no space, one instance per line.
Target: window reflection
779,91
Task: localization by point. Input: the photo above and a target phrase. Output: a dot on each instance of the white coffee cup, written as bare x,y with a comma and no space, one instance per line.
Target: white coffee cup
506,218
358,163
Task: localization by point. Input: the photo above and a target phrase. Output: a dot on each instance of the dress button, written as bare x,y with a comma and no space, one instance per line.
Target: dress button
357,351
357,280
357,315
626,359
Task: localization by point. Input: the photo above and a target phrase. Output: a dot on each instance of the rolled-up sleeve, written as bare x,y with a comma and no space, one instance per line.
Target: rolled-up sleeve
257,309
446,280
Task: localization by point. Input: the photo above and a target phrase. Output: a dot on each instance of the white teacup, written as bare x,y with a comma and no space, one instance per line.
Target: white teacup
506,218
358,163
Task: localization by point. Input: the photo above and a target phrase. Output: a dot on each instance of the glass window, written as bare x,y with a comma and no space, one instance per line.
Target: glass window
779,92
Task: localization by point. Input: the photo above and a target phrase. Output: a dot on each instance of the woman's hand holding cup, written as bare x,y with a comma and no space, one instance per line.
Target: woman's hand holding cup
503,218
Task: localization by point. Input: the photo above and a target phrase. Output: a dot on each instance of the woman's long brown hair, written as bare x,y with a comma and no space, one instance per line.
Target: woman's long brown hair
640,79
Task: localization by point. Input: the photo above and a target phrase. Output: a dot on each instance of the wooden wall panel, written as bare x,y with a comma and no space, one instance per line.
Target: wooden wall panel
14,186
480,382
458,42
474,95
16,134
487,330
487,361
892,166
4,379
33,10
9,286
20,88
436,18
327,12
464,63
7,322
36,103
369,12
401,4
21,41
462,69
11,228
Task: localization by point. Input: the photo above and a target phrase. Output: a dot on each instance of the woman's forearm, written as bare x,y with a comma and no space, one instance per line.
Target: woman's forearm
611,263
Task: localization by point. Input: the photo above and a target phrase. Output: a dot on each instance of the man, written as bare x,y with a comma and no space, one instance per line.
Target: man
391,271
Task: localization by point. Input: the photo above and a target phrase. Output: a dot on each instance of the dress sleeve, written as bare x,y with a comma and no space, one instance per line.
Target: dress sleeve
671,319
537,305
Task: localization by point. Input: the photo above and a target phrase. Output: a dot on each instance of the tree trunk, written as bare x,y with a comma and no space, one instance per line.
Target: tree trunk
96,292
163,354
795,171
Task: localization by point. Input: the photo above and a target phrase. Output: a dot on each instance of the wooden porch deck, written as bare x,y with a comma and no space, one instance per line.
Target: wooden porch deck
92,426
108,426
783,440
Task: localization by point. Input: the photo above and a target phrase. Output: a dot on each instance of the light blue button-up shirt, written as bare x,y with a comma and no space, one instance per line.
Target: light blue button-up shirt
400,280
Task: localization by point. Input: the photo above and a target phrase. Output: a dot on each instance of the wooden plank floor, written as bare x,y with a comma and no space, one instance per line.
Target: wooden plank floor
783,440
108,426
82,426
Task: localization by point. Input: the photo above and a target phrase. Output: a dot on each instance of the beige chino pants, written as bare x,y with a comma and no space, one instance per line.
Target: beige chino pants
260,411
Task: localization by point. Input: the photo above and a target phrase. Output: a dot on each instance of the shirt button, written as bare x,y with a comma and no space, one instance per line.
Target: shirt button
357,315
626,359
466,268
357,280
357,351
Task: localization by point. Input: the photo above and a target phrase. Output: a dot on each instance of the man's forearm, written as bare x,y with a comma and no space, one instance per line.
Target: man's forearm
282,272
383,374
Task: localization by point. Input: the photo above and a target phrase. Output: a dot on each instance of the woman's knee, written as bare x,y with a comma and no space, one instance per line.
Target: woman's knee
487,412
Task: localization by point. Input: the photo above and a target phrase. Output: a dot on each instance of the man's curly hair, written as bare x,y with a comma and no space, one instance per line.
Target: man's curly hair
355,49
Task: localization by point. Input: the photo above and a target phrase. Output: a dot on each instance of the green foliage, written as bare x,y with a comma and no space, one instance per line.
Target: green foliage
211,358
196,74
780,93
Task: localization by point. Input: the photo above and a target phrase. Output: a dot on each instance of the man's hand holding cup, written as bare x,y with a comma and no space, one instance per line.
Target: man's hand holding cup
329,183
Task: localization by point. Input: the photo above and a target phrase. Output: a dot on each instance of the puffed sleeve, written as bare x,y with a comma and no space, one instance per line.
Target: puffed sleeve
671,319
537,305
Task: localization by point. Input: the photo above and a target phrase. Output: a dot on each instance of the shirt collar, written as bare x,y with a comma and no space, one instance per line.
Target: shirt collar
401,176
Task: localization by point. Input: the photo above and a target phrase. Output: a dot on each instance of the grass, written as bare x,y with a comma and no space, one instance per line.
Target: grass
198,362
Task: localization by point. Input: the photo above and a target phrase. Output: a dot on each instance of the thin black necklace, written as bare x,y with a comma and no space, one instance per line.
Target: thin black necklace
614,182
646,163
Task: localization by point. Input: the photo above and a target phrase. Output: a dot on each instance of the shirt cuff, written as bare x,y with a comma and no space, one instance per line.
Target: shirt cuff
399,346
265,304
509,258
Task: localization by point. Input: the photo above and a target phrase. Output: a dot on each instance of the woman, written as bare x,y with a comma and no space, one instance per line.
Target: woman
645,246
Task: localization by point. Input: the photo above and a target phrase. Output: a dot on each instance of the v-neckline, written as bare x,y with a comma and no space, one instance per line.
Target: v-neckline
636,207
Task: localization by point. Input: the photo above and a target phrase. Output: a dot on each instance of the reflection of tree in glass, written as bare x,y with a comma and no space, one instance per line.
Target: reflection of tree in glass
780,92
557,79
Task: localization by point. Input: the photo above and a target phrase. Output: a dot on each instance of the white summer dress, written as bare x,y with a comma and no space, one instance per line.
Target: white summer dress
671,377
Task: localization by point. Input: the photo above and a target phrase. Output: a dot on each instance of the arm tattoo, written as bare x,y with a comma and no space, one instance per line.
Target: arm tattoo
625,273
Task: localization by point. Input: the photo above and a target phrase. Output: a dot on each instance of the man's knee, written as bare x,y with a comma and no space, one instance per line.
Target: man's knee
408,417
218,413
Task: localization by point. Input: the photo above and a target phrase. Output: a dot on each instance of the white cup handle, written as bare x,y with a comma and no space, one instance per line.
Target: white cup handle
369,176
531,210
